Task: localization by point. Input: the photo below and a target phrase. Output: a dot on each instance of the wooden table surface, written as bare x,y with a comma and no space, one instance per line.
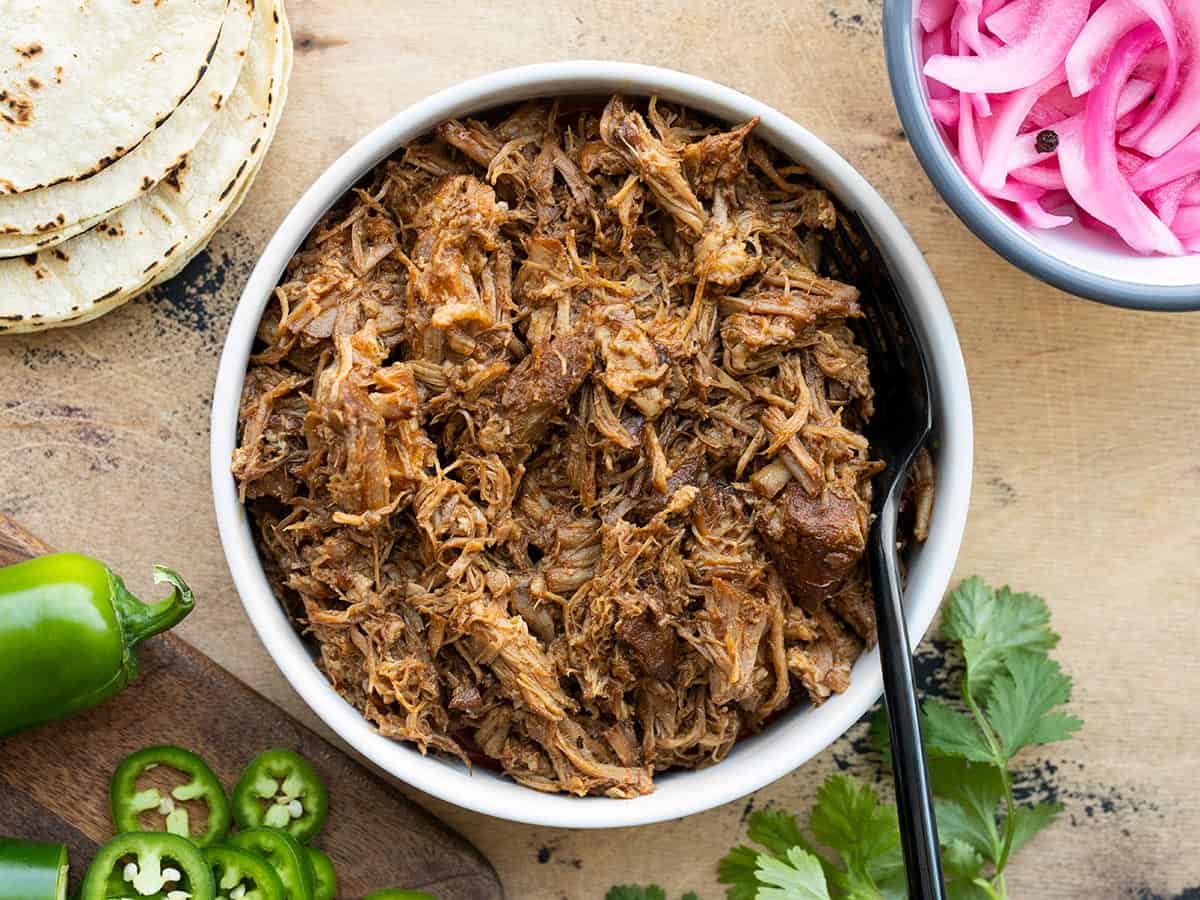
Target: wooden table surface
1087,478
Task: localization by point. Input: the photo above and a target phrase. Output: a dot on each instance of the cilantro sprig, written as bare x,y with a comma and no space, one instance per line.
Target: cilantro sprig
1010,698
635,892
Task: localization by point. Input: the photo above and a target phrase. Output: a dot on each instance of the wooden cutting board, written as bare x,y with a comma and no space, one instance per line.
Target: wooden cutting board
54,780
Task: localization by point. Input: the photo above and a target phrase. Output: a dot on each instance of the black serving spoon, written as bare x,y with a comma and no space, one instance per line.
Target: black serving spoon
900,426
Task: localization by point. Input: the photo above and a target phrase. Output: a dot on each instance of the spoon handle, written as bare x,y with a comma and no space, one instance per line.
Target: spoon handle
918,828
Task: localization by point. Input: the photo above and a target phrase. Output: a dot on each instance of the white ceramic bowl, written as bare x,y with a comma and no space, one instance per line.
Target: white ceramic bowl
797,735
1075,259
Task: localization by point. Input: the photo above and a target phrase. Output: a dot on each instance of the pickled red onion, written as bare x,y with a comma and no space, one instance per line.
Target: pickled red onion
1100,97
935,13
1010,21
1183,117
1053,27
1089,54
1090,163
1180,160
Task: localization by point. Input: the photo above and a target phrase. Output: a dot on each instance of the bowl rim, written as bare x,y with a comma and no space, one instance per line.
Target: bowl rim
987,222
755,761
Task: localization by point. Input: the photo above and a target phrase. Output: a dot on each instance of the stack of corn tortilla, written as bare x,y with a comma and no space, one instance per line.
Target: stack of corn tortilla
129,132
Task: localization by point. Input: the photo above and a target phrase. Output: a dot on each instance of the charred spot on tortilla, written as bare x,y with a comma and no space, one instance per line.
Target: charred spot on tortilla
31,259
172,177
171,250
232,184
147,182
59,254
30,51
111,293
34,83
151,267
254,146
20,108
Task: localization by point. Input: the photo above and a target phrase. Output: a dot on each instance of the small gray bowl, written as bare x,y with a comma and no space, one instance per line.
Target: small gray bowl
1073,258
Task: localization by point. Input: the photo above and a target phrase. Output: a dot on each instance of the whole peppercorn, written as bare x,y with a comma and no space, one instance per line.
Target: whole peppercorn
1047,141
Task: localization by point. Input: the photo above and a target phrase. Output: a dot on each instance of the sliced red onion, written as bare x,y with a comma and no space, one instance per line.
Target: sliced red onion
1167,199
1045,176
1089,161
1187,221
1180,160
966,41
1024,150
1057,200
1053,27
1183,115
966,20
971,156
1161,16
933,14
1108,89
1032,213
1054,106
936,42
1013,109
945,112
1089,54
1010,22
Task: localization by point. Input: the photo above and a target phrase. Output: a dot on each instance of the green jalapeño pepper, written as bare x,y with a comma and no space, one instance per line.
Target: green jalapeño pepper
68,627
128,803
286,856
148,865
240,875
279,789
324,878
30,871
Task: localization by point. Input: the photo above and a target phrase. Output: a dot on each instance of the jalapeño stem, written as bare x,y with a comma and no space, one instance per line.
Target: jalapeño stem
142,620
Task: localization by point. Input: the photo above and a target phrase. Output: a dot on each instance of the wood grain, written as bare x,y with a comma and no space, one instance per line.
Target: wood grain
54,780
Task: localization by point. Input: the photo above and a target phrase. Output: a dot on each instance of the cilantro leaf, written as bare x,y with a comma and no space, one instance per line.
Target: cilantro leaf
960,861
635,892
738,869
1029,820
990,625
966,890
798,876
777,831
952,733
1020,701
849,818
969,794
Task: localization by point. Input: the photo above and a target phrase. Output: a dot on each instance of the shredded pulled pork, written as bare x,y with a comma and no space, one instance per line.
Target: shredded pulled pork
553,444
